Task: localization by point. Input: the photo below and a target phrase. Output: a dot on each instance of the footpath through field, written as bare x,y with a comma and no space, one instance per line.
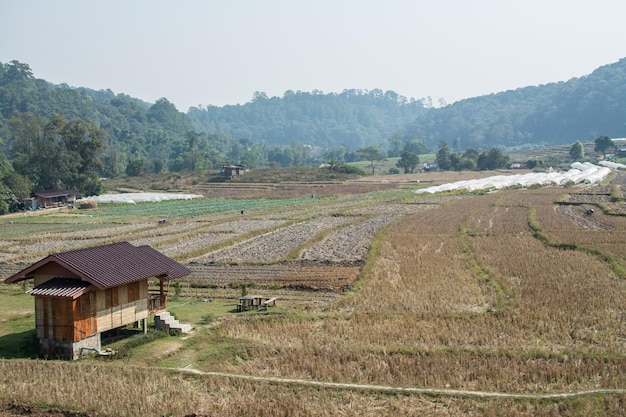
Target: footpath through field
448,392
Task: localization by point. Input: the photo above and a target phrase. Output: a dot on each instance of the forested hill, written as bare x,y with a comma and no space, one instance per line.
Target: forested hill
297,129
165,138
564,112
353,118
136,130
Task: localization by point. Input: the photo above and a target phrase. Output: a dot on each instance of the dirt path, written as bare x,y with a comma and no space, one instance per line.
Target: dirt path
448,392
14,409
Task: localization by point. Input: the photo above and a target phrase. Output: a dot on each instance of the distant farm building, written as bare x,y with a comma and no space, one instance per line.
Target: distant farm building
56,198
620,147
430,166
83,293
231,171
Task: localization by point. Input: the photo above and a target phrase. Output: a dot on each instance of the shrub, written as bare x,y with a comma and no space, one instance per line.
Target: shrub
616,193
177,290
348,169
207,319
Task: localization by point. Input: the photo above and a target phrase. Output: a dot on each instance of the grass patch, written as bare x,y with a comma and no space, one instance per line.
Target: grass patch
194,311
20,344
128,346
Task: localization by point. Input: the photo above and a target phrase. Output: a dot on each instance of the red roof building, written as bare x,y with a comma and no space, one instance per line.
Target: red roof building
81,293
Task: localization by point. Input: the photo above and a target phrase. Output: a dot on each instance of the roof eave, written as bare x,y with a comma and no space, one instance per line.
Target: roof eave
23,275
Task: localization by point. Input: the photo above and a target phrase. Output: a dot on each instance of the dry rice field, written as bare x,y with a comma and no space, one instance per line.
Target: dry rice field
514,292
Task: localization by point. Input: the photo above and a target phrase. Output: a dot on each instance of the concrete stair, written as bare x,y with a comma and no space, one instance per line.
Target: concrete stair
164,320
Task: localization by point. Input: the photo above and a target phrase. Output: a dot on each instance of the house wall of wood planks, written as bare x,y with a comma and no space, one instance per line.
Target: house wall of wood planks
94,312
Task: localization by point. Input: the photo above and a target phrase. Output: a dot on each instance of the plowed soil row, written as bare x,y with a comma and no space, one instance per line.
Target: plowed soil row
296,275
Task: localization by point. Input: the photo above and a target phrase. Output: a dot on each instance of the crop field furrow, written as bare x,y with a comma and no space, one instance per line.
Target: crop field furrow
34,251
241,226
274,245
501,220
8,269
186,245
104,231
319,209
286,275
577,214
350,243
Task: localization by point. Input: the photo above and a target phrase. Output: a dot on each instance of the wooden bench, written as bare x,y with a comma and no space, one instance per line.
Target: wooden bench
255,302
269,302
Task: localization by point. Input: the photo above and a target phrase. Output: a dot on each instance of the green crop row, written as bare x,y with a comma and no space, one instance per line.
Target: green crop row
194,208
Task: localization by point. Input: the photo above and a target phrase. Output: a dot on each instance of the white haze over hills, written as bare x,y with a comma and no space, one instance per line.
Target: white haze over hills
579,173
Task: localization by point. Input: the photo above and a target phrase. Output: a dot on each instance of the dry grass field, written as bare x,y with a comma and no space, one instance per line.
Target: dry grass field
501,304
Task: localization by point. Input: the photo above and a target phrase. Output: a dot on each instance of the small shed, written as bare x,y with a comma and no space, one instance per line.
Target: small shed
56,198
81,293
231,171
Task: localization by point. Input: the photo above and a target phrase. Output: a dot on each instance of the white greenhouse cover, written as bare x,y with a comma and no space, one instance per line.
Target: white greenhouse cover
612,165
579,173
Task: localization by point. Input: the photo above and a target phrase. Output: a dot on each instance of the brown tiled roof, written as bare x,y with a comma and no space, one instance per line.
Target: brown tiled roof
61,287
52,194
175,270
111,265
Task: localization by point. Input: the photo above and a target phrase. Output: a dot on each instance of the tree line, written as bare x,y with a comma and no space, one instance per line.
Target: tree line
352,118
57,136
144,137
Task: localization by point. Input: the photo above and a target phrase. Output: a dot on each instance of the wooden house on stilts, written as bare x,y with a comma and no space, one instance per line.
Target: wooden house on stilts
80,294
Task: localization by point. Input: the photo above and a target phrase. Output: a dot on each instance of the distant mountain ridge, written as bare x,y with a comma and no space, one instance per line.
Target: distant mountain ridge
353,118
556,113
561,112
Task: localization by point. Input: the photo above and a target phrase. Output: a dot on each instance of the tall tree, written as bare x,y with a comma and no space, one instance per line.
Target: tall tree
443,156
192,155
83,143
372,154
492,159
58,154
14,188
603,144
16,71
408,161
577,151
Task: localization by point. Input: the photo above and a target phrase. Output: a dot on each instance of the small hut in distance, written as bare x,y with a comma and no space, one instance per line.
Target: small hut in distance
231,171
80,294
55,198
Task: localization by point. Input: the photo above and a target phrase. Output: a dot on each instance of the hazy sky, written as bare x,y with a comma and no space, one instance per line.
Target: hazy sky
210,52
